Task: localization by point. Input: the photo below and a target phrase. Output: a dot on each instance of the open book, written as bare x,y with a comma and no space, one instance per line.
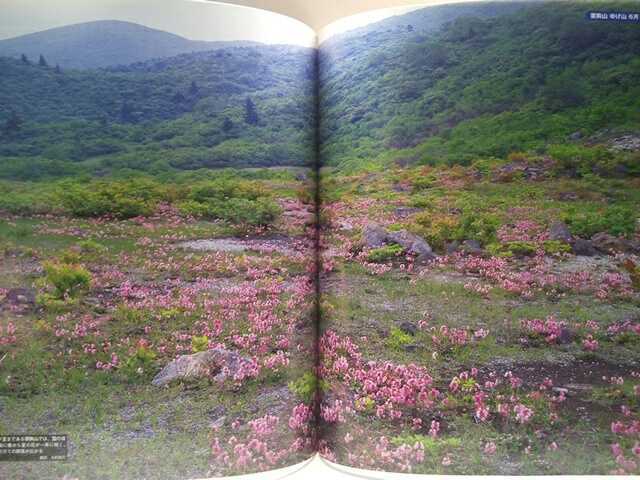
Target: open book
408,243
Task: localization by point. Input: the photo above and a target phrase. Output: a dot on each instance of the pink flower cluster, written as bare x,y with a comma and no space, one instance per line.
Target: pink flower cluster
550,328
8,337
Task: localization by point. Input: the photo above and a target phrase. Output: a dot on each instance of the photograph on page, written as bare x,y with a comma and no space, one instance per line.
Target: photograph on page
480,290
157,291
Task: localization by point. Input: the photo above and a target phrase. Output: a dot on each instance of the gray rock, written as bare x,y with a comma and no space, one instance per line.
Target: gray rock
413,244
452,247
566,336
583,248
374,236
216,363
627,143
559,231
607,243
411,347
575,136
472,247
409,328
404,212
21,296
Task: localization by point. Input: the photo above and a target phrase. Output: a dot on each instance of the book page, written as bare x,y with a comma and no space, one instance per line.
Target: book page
157,263
481,280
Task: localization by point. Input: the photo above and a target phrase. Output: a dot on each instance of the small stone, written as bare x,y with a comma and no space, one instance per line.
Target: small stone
409,328
575,136
566,336
411,347
559,231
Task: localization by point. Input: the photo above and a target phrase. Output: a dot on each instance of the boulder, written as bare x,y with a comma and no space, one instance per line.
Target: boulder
374,236
559,231
217,363
452,247
583,248
472,247
628,143
413,244
607,243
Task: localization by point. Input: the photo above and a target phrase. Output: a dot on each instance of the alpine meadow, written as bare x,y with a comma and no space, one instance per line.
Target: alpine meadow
157,286
481,279
414,248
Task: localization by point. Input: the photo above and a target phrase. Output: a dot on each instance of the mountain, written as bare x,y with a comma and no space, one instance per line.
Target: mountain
451,84
100,44
234,106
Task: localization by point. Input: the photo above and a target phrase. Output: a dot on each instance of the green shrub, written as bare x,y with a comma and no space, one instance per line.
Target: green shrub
584,160
118,198
67,280
199,344
307,386
92,247
475,225
398,339
618,220
241,203
382,254
140,364
555,247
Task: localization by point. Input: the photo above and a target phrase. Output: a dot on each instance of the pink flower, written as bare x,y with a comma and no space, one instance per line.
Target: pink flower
490,448
435,429
590,344
523,414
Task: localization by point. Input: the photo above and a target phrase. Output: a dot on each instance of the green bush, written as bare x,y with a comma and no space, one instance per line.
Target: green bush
140,364
118,198
67,280
241,203
582,160
382,254
398,339
618,220
199,344
307,386
475,225
555,247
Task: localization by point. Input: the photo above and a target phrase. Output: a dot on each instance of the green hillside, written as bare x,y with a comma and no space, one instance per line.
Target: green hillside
451,84
237,106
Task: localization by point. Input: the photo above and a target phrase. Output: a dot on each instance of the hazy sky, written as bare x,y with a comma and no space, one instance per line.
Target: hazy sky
363,19
193,19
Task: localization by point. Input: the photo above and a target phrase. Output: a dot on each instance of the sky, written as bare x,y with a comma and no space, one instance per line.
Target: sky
362,19
193,19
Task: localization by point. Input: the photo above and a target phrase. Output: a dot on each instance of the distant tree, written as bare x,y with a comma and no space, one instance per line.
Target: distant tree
126,113
42,62
24,59
13,123
409,28
58,69
194,89
227,124
250,112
